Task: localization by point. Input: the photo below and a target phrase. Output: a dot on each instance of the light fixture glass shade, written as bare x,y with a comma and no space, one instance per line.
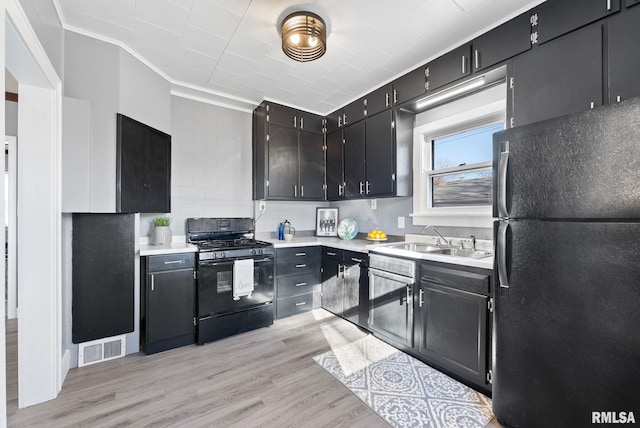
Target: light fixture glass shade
304,36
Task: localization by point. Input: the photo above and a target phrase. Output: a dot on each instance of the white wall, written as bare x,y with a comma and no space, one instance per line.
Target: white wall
143,94
92,73
44,20
210,164
11,118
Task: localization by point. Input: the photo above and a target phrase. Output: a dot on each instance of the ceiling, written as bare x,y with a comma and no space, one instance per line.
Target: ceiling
229,51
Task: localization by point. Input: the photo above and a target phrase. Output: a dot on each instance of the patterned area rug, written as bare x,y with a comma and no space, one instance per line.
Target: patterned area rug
403,390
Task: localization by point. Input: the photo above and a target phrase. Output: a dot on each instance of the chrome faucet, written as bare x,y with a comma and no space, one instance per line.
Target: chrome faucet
473,242
437,233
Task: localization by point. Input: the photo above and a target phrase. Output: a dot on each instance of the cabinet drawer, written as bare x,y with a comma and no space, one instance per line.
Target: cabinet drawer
295,305
297,254
293,285
171,262
332,254
302,267
467,281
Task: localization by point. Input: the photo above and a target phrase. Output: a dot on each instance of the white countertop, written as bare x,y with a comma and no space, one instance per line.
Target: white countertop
381,248
175,247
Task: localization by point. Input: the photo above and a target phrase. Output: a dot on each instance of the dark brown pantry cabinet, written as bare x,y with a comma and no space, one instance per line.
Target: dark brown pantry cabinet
143,168
452,324
168,303
288,154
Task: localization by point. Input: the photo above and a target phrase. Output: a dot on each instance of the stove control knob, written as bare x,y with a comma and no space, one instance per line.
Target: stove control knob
253,252
260,251
221,254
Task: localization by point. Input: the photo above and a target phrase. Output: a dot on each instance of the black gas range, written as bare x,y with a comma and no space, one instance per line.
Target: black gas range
230,259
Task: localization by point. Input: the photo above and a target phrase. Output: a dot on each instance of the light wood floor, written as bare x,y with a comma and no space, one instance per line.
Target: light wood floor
264,378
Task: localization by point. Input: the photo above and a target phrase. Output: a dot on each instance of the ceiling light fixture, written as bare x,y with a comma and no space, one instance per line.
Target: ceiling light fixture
304,36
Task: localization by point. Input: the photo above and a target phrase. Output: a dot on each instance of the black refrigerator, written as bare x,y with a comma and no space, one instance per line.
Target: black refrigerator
567,297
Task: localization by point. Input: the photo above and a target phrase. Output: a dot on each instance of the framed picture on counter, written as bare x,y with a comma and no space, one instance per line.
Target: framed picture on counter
326,221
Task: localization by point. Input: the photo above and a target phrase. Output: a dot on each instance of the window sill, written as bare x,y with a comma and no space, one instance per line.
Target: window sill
471,217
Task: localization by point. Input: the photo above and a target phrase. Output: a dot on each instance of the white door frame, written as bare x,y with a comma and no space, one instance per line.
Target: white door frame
39,206
12,239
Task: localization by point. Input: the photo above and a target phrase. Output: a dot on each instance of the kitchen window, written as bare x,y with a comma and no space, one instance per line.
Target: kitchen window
453,152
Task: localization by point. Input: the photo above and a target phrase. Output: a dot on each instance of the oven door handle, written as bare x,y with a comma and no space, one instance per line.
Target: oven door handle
213,263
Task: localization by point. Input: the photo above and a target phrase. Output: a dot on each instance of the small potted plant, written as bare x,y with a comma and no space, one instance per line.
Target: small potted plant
161,234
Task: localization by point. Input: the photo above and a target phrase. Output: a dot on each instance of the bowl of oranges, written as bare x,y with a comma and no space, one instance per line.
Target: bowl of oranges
376,235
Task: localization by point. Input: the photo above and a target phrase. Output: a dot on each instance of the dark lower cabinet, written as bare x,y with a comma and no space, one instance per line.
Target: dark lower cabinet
297,280
345,285
452,324
168,312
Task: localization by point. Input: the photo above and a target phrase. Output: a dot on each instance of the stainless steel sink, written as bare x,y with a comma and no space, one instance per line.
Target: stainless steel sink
434,249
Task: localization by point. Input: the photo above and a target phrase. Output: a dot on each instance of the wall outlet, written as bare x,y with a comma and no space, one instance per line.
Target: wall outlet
400,222
374,204
262,205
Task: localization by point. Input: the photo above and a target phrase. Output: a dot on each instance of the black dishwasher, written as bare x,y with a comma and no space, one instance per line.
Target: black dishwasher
391,284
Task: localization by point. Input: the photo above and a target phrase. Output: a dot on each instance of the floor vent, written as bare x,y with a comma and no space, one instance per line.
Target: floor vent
100,350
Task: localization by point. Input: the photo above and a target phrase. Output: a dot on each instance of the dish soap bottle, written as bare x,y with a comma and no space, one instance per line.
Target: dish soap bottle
281,232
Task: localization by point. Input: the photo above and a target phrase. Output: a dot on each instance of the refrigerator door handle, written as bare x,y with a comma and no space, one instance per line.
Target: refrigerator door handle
503,164
501,250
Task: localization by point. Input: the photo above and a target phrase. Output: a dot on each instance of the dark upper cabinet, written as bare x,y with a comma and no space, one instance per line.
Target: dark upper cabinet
143,168
311,166
503,42
409,86
354,152
560,77
632,2
288,161
379,100
380,155
277,114
335,166
280,115
449,67
558,17
310,122
282,162
351,113
624,55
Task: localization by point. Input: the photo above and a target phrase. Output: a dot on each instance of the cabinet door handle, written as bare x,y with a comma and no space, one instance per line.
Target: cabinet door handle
361,187
295,190
302,123
340,121
300,254
421,301
295,121
301,266
301,303
300,284
340,190
330,253
464,64
153,282
608,4
302,190
344,119
386,99
173,262
367,187
477,58
395,96
353,259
